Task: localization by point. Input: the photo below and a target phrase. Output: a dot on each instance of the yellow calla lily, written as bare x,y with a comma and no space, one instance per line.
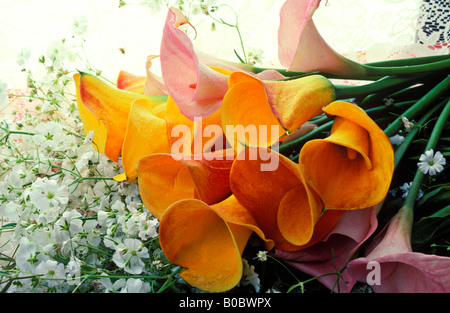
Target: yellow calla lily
109,106
275,107
357,155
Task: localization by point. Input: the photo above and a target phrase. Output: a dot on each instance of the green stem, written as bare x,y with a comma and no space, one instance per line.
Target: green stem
432,96
409,61
347,92
403,147
407,70
432,142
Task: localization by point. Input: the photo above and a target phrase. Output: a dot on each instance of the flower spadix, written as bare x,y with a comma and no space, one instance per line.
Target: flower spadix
353,167
281,107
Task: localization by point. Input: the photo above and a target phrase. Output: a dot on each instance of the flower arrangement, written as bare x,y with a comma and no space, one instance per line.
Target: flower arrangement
221,176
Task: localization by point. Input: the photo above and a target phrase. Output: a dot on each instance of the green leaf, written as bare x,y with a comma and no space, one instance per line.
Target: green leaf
430,228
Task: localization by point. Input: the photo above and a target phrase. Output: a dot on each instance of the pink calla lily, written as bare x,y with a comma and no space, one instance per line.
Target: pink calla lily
401,269
332,253
301,48
196,88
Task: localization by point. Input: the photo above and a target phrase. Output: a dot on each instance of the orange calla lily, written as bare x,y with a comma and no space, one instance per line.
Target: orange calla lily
281,107
282,204
163,179
357,155
131,82
208,241
109,106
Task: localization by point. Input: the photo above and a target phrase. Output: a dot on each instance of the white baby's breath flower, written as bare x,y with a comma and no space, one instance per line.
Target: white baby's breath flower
23,56
431,163
73,269
67,226
136,286
408,125
406,187
51,271
80,25
397,139
45,193
262,256
129,255
250,277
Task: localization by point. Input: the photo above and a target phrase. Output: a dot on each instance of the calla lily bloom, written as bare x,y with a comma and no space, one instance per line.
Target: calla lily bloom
146,133
109,111
164,179
154,85
401,269
290,212
334,250
208,241
357,155
151,84
196,88
281,107
302,49
131,82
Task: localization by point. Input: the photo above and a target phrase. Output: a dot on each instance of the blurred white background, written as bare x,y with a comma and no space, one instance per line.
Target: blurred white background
29,27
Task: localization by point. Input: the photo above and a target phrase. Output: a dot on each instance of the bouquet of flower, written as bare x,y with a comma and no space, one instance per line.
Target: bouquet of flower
172,182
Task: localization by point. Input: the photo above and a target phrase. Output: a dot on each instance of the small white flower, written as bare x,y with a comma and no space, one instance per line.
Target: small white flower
397,139
406,187
73,269
23,56
67,226
45,193
80,25
408,125
262,256
51,271
129,255
249,276
431,163
136,286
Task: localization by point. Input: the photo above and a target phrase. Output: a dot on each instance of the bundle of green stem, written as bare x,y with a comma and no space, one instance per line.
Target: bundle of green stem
392,90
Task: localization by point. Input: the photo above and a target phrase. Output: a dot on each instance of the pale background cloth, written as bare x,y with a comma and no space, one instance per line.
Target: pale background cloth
381,28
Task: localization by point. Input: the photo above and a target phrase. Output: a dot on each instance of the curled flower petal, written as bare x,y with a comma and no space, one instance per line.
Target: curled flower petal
90,121
111,106
300,46
400,269
196,88
334,249
277,107
357,155
154,85
288,213
163,179
194,236
146,134
131,82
